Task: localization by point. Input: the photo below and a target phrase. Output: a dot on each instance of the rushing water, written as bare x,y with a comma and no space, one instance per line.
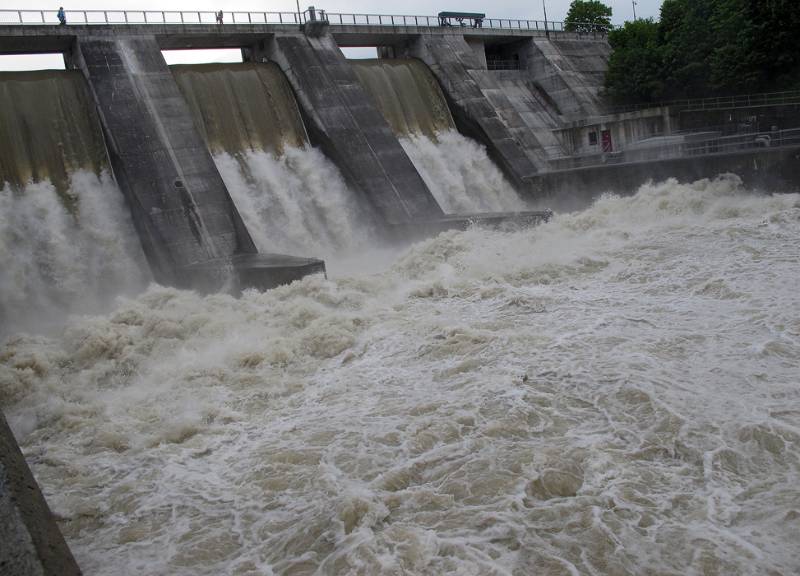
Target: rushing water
65,252
614,392
456,169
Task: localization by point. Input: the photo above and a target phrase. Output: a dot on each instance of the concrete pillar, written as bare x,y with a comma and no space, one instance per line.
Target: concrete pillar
344,121
190,230
30,541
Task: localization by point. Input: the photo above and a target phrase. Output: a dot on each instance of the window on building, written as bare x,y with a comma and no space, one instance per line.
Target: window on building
592,138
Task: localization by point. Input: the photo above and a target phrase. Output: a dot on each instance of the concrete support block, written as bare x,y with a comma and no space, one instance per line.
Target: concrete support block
344,121
453,61
30,541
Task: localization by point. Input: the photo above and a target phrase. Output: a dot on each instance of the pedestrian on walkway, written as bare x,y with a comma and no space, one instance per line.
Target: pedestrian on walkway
219,16
62,16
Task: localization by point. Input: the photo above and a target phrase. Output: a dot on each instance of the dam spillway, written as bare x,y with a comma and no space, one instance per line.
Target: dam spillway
291,196
457,169
48,128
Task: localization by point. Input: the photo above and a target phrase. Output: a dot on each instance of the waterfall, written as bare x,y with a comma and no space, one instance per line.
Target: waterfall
291,197
457,170
48,128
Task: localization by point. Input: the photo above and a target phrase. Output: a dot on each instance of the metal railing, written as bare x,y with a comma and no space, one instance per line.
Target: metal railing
49,16
496,64
719,103
148,17
720,145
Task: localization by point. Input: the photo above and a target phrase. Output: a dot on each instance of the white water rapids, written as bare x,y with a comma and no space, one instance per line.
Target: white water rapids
614,392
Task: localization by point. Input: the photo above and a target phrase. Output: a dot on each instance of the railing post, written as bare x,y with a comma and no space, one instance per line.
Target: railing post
41,13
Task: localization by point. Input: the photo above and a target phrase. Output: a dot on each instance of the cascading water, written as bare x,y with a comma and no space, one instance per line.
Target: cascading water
613,392
67,243
457,170
291,197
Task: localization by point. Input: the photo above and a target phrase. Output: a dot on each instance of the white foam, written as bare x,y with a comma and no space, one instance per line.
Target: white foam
460,174
295,203
612,392
54,262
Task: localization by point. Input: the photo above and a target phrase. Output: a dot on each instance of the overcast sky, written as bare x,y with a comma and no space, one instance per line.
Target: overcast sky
556,10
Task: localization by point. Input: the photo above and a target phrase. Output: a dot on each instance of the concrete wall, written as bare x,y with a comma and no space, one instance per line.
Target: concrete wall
30,541
626,130
570,71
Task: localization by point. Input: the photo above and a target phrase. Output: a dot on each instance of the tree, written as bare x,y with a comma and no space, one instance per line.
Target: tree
588,16
634,69
705,48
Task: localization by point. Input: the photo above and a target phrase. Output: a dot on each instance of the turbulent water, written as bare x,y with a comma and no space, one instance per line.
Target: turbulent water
297,202
456,169
65,252
614,392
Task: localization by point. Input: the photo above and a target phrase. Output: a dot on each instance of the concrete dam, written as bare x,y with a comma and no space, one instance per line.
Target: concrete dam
122,170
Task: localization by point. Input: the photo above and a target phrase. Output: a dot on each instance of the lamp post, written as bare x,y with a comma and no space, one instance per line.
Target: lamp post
544,8
298,12
633,2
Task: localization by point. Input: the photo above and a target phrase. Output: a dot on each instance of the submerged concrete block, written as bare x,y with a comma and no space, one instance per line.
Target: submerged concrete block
30,541
342,118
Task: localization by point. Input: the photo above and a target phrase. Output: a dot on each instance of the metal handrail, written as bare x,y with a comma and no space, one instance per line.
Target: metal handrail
718,102
719,145
33,16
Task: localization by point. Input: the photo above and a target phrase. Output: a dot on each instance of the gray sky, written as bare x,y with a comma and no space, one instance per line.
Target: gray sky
556,10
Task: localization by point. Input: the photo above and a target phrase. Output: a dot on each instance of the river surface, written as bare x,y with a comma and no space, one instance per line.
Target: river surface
614,392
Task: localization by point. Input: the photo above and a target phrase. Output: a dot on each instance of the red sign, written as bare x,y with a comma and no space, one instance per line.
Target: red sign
605,139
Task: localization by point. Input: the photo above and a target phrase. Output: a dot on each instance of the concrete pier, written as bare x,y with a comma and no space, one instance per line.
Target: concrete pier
30,541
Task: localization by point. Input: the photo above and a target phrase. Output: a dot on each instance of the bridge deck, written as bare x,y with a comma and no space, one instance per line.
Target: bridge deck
42,38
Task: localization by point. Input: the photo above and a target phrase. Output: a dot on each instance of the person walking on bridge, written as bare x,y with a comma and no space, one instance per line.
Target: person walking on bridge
62,16
219,16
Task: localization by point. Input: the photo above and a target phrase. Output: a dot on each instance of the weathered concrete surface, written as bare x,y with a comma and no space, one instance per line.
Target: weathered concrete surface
30,541
342,118
476,114
185,218
34,38
571,72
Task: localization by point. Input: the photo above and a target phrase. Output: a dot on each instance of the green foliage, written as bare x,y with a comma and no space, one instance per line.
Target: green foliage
635,65
587,16
707,47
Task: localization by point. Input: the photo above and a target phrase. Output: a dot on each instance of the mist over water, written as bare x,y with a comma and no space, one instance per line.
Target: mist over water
613,392
65,253
460,174
295,203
